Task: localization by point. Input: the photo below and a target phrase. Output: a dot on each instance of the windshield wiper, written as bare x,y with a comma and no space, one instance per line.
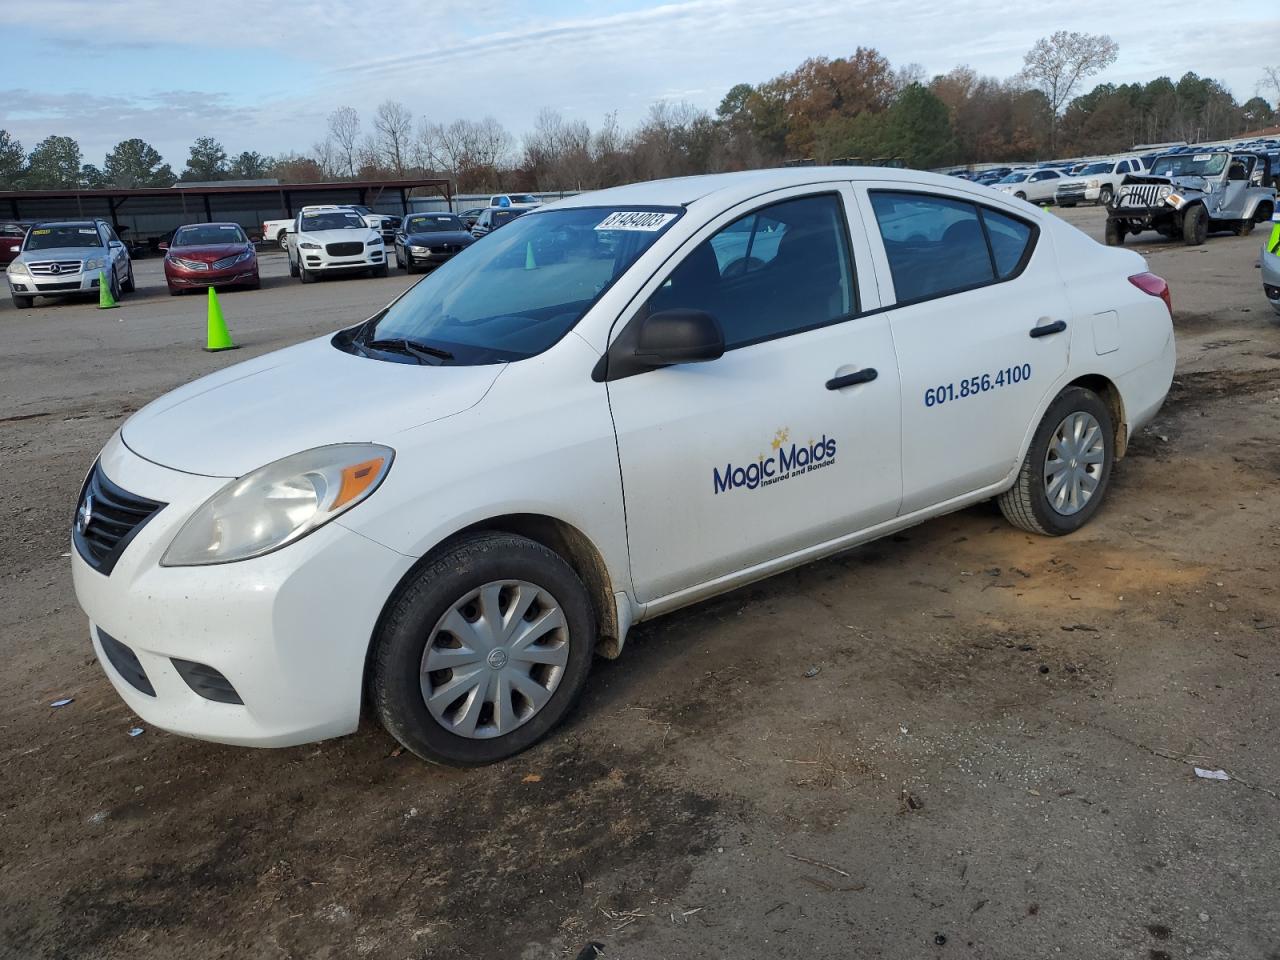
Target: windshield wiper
423,353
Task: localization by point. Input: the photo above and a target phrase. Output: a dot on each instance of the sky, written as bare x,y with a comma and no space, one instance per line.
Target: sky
264,75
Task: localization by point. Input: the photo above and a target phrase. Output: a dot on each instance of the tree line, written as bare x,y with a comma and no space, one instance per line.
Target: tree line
859,106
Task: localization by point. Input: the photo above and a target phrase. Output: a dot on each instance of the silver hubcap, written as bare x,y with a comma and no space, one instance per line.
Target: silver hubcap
494,659
1073,465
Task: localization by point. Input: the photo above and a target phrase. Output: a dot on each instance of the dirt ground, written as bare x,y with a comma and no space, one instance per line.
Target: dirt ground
994,758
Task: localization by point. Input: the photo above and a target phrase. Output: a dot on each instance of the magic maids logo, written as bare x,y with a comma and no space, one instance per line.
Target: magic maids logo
788,459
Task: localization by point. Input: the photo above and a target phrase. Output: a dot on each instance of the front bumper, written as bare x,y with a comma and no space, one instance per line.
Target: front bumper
289,630
316,261
239,275
1271,279
62,285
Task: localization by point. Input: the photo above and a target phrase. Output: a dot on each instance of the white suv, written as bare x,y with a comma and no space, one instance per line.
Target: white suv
334,240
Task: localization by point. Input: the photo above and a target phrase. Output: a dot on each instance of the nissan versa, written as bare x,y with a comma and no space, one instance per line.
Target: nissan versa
617,405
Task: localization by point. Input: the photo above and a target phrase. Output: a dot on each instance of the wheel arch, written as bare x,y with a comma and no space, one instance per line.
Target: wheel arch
1110,395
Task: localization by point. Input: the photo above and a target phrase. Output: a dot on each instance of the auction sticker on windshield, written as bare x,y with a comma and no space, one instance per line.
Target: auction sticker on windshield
646,220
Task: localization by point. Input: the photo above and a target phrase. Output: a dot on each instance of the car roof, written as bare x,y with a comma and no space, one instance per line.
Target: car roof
683,191
65,223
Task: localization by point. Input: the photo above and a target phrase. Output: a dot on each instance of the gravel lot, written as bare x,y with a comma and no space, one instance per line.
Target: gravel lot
995,759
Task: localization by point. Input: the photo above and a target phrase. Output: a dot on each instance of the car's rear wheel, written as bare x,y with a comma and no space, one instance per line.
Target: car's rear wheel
282,238
1115,233
1195,226
483,651
1067,470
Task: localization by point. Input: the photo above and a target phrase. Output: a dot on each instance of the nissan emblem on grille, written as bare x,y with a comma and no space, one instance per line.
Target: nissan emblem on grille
84,516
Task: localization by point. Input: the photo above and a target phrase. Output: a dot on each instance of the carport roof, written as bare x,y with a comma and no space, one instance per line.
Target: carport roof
178,190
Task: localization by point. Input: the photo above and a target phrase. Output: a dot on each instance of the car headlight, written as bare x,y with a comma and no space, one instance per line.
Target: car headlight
375,242
1093,184
308,246
97,263
19,269
279,503
420,251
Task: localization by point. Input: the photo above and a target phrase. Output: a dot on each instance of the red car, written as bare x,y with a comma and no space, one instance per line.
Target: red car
11,234
210,255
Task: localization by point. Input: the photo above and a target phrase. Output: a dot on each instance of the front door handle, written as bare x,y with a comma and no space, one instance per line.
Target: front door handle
1049,329
849,379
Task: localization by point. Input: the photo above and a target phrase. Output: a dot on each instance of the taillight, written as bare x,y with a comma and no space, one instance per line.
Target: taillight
1154,286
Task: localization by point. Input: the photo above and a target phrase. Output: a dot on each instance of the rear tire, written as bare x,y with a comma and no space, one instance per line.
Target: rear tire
1115,233
1195,226
1030,503
414,628
282,239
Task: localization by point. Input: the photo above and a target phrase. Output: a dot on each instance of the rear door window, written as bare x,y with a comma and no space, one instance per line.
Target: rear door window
941,245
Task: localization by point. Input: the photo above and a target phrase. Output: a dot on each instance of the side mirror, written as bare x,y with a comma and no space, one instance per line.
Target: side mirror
16,248
679,336
115,245
163,245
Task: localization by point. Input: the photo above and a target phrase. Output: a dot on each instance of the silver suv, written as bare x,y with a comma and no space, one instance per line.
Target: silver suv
1188,194
64,259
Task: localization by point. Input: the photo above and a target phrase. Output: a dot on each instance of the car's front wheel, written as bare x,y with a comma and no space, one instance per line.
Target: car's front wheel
483,651
1115,233
1195,225
129,286
1104,196
1067,469
23,303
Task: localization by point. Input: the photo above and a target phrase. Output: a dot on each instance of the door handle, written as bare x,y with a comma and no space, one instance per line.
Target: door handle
849,379
1049,329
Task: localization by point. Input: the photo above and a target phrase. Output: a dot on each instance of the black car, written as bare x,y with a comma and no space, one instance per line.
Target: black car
492,218
471,215
426,240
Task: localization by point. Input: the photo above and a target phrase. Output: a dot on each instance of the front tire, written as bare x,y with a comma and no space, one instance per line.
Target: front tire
1195,226
1020,195
305,275
23,303
1104,196
1065,475
483,651
129,286
1115,233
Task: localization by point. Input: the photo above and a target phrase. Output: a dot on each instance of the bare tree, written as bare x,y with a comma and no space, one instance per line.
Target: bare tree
469,151
393,129
324,154
344,132
1271,81
1056,65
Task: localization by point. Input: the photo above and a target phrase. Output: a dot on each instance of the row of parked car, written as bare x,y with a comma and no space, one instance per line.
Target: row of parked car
72,258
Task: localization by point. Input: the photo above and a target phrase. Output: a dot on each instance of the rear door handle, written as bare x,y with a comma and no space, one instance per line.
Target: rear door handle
849,379
1049,329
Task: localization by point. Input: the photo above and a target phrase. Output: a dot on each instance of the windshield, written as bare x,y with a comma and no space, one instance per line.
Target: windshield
505,216
434,223
332,220
523,198
516,293
63,235
1190,165
208,233
1013,178
1096,168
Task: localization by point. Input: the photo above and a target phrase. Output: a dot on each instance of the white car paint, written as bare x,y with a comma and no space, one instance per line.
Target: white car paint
632,464
1036,186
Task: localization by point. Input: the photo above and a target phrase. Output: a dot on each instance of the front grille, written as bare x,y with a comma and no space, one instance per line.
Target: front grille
344,249
206,681
1073,192
1142,195
107,519
60,285
126,663
54,268
191,264
226,261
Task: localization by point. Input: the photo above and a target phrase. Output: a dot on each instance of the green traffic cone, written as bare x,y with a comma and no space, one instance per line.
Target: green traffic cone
105,300
1273,244
218,337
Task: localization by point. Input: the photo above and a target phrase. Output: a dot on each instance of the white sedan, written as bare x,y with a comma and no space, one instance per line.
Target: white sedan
1037,186
617,405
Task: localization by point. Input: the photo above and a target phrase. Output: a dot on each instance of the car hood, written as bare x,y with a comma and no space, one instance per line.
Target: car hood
439,236
1184,183
62,253
309,395
209,252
